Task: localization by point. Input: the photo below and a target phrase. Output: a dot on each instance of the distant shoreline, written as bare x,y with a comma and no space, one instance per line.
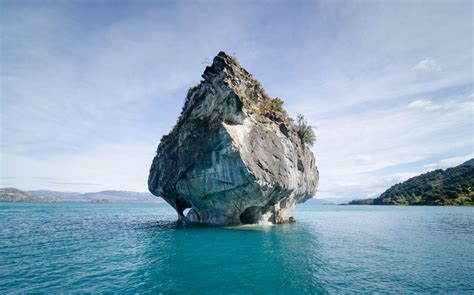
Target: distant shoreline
14,195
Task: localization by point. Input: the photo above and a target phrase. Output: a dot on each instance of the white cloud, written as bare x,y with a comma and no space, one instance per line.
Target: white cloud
421,103
428,64
448,162
426,104
362,159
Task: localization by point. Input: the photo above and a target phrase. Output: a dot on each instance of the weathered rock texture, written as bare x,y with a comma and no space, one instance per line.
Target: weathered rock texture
233,156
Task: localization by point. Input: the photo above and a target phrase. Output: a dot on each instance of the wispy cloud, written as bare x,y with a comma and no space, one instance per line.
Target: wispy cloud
428,64
426,104
448,162
421,103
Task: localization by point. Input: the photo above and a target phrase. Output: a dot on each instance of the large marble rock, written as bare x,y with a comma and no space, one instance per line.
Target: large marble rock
234,156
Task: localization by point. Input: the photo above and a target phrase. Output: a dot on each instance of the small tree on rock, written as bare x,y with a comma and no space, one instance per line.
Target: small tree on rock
305,131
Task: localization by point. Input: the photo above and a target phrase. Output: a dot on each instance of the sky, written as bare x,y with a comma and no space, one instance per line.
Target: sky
88,88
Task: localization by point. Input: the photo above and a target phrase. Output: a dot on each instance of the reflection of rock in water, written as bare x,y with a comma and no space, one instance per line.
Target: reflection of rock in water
186,259
234,156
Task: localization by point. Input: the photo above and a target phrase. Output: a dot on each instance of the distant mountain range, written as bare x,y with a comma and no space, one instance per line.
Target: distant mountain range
453,186
16,195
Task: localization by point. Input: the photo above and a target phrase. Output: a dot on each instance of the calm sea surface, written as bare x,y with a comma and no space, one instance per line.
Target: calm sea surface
138,248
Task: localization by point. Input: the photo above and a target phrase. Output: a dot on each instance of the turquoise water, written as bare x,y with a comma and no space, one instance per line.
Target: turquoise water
138,248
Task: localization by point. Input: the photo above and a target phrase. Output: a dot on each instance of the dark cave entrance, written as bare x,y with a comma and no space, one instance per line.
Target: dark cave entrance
251,215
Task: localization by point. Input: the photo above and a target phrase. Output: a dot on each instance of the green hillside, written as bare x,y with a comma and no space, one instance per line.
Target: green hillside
453,186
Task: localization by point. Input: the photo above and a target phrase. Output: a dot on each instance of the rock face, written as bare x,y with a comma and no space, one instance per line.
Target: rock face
234,156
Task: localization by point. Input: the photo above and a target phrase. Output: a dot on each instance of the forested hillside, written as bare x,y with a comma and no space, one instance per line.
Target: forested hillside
453,186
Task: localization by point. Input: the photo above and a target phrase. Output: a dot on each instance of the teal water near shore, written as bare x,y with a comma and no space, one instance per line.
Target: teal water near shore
139,248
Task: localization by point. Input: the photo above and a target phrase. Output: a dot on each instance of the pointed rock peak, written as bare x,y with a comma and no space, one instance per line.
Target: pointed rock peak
223,54
221,62
224,57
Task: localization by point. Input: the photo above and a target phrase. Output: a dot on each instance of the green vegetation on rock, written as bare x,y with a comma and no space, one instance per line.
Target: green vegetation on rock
305,131
277,104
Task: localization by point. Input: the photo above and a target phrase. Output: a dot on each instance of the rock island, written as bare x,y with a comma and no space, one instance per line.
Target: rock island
234,156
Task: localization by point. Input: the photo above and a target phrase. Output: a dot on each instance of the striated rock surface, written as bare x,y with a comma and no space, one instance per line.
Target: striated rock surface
234,156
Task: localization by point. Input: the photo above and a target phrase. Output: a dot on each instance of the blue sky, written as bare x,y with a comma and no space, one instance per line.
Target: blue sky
89,87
